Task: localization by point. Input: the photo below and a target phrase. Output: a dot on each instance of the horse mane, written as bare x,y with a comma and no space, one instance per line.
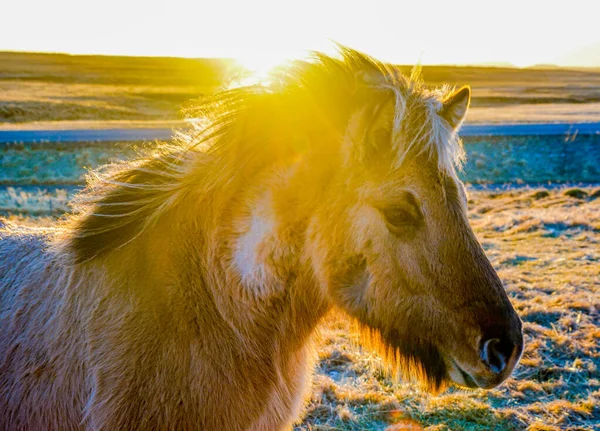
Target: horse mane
244,128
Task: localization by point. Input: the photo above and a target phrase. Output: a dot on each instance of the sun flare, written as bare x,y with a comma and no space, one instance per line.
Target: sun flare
259,64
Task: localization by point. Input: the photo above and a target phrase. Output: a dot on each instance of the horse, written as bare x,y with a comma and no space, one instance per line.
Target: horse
185,288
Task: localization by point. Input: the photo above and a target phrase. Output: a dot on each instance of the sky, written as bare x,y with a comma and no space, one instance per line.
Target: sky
261,33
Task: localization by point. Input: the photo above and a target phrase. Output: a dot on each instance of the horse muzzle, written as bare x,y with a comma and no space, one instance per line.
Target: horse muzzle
498,357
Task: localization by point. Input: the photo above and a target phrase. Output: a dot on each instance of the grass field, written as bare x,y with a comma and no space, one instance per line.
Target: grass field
53,90
546,247
53,87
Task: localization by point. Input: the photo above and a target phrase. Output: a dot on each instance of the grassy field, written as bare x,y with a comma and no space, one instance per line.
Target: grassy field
53,87
53,90
546,247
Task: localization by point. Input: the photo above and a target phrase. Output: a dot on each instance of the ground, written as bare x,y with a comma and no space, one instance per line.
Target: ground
546,249
545,245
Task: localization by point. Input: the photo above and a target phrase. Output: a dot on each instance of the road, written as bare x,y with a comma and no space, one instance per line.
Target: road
121,135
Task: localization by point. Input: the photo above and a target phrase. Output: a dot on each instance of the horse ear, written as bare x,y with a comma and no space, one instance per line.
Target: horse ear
455,107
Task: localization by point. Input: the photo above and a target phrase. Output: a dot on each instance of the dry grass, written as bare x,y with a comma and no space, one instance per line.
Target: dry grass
546,248
547,251
98,91
52,87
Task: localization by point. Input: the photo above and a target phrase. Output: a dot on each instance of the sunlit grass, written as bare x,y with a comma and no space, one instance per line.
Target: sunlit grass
57,88
547,251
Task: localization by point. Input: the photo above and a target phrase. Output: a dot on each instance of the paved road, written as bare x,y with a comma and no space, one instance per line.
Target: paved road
91,135
530,129
107,135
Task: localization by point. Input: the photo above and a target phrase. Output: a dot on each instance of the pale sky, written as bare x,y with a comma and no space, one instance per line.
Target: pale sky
264,32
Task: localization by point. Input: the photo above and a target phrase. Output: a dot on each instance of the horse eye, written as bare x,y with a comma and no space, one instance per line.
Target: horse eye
400,218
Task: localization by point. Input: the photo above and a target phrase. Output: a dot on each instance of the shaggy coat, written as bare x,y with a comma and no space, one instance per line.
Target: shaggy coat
184,290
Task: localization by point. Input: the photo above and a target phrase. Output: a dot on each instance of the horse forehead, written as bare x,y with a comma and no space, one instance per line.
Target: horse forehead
423,178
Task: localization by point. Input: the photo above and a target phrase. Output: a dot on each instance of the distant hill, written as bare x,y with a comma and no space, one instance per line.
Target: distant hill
117,70
501,64
72,88
545,66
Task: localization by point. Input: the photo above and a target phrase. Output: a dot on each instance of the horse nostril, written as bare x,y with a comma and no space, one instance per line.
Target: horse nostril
495,354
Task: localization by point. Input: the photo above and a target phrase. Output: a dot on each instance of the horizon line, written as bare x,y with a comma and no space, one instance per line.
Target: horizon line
483,64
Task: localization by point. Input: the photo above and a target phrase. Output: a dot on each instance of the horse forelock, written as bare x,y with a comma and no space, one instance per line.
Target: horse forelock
318,98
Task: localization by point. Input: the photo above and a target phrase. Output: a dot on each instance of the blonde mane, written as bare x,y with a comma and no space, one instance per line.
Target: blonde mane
244,128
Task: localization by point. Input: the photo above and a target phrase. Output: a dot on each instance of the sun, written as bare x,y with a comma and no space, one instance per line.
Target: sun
261,62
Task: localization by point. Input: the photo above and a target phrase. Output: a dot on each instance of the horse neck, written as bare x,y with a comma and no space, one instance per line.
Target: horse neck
253,253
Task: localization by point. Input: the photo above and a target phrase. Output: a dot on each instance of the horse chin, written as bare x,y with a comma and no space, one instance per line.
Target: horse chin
411,358
429,371
468,378
459,377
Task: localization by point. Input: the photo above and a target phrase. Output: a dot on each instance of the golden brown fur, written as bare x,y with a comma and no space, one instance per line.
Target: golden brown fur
184,292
